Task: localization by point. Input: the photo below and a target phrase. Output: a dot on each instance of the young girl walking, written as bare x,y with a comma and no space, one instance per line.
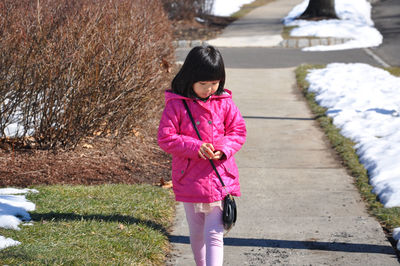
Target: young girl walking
200,82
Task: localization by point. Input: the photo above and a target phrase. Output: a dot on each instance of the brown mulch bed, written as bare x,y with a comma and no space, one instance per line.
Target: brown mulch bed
137,159
194,30
95,161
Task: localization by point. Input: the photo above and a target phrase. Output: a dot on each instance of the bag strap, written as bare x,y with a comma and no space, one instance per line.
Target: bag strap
198,134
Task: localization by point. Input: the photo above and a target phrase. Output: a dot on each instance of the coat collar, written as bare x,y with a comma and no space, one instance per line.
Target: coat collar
169,95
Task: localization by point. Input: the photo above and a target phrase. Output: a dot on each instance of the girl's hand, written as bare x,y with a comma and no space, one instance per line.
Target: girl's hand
207,152
218,155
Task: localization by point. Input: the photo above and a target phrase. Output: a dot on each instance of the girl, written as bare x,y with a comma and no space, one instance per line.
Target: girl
200,82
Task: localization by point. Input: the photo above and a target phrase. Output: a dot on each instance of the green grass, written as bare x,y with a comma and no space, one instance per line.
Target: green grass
94,225
389,217
393,70
286,32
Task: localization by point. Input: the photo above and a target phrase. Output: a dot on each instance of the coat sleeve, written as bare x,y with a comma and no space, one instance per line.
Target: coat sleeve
235,132
169,137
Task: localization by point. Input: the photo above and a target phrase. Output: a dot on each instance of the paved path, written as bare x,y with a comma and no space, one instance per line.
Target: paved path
386,16
257,57
257,29
299,206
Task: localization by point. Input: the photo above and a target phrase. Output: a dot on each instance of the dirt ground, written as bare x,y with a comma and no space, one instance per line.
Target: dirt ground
137,159
194,30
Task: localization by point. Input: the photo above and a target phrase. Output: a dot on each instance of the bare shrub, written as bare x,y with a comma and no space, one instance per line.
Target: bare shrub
76,68
187,9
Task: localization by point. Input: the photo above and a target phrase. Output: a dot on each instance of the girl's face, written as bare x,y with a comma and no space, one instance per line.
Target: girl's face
204,89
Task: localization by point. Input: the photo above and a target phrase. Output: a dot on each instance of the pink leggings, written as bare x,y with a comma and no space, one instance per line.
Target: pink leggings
206,235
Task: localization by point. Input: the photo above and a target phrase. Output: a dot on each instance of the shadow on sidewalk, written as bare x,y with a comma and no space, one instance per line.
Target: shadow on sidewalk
295,244
54,216
277,118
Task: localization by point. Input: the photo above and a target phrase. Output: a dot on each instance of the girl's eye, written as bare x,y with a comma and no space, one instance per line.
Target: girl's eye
206,83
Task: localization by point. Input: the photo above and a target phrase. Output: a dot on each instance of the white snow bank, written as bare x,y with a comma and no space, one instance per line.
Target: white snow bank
228,7
355,23
364,103
13,210
7,242
396,236
16,191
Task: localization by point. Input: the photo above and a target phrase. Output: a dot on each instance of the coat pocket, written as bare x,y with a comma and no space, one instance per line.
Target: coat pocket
179,168
230,168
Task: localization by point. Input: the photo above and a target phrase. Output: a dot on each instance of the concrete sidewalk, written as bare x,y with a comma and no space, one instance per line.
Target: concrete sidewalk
262,27
298,204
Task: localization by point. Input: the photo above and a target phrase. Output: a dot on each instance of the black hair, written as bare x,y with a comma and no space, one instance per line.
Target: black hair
203,63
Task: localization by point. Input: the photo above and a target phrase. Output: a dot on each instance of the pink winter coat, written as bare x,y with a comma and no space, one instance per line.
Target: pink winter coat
221,124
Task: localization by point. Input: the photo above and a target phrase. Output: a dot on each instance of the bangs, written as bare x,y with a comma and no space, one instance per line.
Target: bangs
209,72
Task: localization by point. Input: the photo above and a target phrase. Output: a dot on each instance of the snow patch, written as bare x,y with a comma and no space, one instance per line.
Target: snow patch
14,209
355,23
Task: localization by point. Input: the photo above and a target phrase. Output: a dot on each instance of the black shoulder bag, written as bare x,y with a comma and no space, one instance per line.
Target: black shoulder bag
229,213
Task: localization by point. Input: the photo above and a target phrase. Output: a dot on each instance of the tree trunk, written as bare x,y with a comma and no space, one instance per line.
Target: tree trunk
319,9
